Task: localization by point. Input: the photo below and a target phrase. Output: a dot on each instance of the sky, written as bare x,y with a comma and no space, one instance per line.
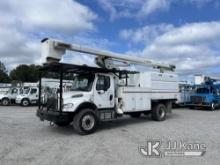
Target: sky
181,32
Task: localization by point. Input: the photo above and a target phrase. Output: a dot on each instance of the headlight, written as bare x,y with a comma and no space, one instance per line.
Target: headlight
68,106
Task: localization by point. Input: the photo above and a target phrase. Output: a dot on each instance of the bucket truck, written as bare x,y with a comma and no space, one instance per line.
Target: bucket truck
207,92
106,92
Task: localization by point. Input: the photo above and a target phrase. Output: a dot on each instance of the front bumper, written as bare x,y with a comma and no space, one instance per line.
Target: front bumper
199,104
54,116
18,101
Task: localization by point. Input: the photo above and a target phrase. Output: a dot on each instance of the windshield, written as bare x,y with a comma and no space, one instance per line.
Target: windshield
26,91
82,83
202,90
8,92
21,91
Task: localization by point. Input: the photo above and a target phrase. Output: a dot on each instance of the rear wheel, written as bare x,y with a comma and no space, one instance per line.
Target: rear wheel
135,114
85,121
159,112
25,102
5,101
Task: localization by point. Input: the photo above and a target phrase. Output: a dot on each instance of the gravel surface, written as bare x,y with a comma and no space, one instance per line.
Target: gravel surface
25,140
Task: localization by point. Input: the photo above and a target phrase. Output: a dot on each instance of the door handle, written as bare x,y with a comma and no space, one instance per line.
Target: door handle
110,97
101,92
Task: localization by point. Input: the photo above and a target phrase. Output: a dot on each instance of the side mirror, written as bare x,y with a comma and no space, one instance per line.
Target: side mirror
101,92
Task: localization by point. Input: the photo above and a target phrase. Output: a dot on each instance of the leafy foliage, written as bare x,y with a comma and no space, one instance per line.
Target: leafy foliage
4,78
25,73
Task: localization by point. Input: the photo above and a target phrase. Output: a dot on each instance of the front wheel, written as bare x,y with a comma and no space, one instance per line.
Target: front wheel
5,101
25,102
159,112
85,121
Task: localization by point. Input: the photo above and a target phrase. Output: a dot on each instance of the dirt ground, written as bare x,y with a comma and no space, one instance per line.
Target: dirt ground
25,140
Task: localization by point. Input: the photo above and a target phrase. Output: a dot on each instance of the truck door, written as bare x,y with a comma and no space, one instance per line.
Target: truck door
33,95
104,92
13,94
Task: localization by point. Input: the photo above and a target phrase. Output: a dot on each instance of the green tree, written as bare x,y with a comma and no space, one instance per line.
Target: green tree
25,73
4,78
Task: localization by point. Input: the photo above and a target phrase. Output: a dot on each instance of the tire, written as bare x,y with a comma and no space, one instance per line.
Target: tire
5,101
25,102
159,112
135,114
63,124
85,122
213,107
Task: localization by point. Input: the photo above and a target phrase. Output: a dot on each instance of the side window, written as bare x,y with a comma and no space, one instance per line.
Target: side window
14,91
33,91
103,83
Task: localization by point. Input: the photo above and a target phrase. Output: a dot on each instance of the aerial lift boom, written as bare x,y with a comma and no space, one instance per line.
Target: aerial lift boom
53,50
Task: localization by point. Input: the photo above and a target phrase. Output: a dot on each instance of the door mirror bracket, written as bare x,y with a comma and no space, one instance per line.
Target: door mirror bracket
101,92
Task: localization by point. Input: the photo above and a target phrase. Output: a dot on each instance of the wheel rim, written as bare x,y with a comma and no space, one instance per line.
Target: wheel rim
213,106
25,102
5,102
88,122
161,112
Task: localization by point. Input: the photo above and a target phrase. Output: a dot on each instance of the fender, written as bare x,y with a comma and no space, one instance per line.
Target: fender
26,99
5,98
86,105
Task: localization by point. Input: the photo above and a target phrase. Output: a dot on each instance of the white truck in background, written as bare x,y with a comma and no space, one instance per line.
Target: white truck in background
185,92
105,93
28,97
9,97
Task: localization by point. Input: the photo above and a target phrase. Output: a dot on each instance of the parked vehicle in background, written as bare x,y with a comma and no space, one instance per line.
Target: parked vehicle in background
185,92
207,94
9,97
28,97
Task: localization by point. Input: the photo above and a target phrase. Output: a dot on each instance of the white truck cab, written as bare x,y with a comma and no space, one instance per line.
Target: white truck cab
10,96
98,89
28,97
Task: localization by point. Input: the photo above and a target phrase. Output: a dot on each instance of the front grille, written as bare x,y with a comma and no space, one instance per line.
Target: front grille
52,104
197,99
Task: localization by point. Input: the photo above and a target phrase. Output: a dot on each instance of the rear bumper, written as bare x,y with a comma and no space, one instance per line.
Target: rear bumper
18,101
54,116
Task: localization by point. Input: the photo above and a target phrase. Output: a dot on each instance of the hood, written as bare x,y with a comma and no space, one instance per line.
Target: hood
76,97
2,95
21,95
74,94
